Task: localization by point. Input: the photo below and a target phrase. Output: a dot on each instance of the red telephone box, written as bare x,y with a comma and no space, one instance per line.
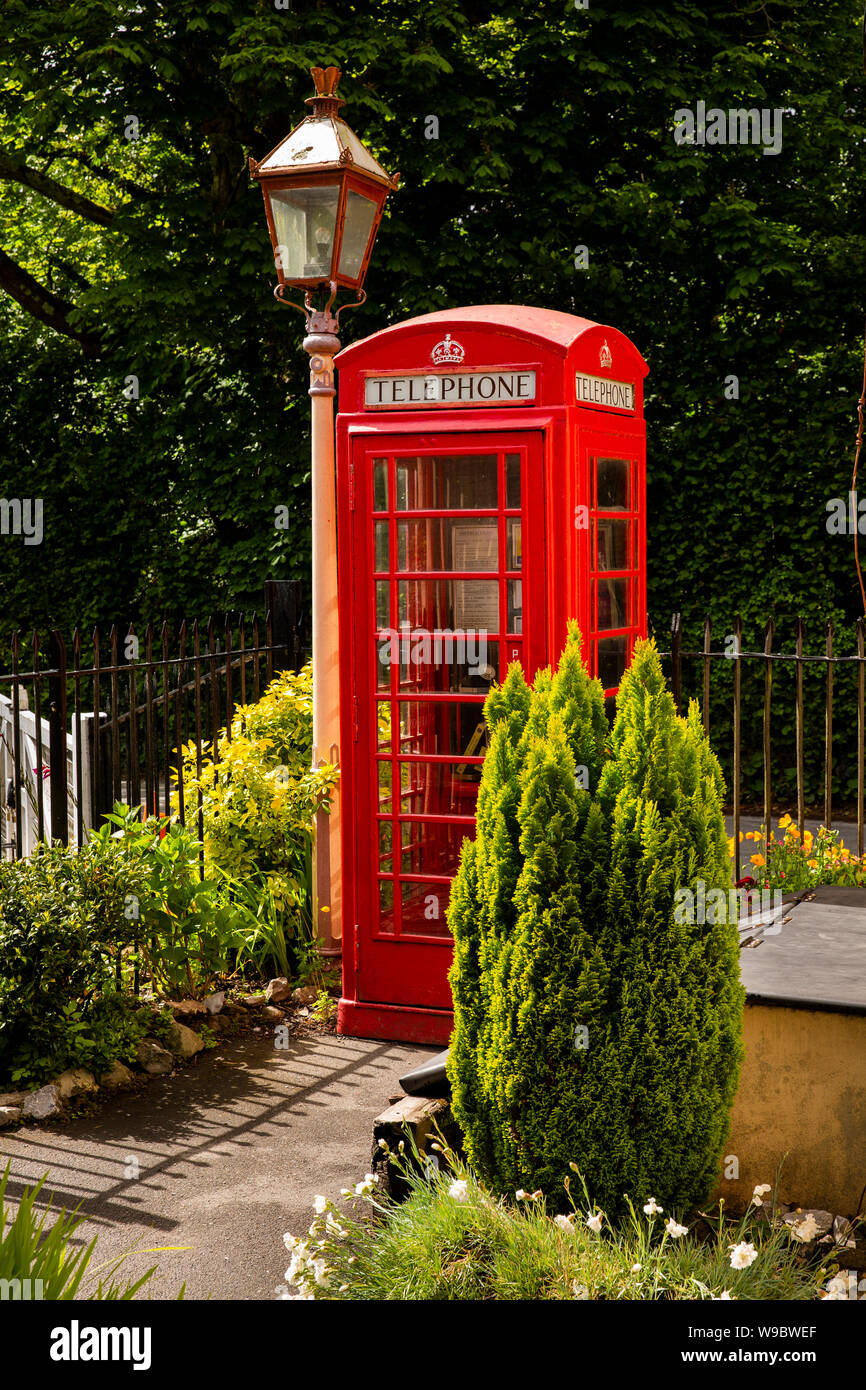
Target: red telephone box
491,485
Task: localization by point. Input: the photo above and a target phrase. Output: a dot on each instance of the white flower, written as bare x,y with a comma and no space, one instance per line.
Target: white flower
837,1287
322,1273
652,1207
459,1190
565,1223
674,1230
742,1255
635,1269
334,1227
760,1193
805,1230
594,1222
291,1242
383,1146
521,1195
724,1297
580,1290
367,1187
320,1204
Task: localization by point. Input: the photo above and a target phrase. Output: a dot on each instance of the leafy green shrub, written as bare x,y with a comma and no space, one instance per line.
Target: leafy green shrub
258,799
184,923
62,927
588,1023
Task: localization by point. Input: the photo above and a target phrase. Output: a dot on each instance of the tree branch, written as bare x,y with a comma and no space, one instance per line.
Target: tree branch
136,190
57,192
43,304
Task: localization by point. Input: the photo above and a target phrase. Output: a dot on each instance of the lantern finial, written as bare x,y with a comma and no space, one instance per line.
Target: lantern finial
326,81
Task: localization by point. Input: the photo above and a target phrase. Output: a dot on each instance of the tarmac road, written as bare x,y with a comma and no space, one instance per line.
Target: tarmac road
223,1157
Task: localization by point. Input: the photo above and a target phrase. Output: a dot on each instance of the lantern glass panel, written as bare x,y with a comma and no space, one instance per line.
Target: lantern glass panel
360,216
305,220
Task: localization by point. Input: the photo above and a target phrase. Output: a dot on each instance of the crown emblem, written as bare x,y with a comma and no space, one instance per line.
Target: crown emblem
605,356
448,353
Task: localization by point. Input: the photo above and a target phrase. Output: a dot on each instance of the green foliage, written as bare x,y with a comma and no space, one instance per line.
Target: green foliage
62,925
183,922
258,798
588,1024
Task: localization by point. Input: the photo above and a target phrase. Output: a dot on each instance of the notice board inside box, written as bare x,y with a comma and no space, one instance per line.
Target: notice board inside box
491,486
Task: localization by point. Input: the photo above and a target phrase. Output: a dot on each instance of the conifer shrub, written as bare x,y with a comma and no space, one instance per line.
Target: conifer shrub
590,1025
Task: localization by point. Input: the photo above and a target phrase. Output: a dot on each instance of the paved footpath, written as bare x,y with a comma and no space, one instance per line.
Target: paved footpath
229,1154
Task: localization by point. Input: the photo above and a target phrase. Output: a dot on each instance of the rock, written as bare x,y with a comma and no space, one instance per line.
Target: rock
183,1042
278,989
214,1002
254,1001
117,1078
76,1082
189,1008
305,994
273,1015
231,1006
9,1115
303,1013
153,1058
822,1219
41,1104
13,1097
221,1024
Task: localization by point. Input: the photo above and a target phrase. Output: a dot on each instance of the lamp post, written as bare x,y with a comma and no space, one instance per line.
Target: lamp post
324,194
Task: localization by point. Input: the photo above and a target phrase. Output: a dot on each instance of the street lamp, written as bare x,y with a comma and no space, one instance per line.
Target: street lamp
324,194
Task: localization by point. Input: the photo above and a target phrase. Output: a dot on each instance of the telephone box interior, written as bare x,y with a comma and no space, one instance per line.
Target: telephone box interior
490,486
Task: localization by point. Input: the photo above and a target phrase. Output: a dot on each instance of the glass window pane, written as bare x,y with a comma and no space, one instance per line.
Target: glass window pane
383,664
431,848
304,219
460,662
439,789
612,537
383,606
612,485
385,786
383,725
380,485
611,661
515,605
442,482
386,846
613,595
360,215
380,529
443,727
386,905
465,605
423,909
513,547
448,543
512,480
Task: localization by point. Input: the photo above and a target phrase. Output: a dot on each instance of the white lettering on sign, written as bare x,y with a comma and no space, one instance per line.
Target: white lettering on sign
458,388
599,390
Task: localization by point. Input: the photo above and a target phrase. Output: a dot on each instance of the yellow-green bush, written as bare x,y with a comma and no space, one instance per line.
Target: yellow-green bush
259,795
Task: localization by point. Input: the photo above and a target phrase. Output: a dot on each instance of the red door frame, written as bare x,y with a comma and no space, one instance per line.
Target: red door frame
404,978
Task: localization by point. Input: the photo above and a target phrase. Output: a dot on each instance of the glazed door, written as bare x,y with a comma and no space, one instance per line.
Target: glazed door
448,551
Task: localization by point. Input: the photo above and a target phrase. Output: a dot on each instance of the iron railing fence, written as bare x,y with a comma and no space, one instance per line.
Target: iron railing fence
779,746
106,719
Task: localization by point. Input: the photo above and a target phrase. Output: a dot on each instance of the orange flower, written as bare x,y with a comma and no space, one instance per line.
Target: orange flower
758,860
786,820
813,863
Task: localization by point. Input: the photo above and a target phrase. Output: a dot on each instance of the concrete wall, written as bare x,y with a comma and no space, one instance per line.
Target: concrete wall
802,1094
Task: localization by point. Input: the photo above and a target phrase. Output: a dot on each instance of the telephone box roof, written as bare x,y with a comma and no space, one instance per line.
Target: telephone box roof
556,329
